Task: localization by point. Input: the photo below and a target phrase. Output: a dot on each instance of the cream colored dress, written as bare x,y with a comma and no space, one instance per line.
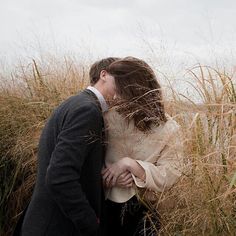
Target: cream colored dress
159,152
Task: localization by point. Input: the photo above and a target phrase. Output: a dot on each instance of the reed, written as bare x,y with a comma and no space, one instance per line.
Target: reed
203,200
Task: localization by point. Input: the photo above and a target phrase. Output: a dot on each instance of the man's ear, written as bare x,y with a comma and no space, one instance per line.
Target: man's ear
103,75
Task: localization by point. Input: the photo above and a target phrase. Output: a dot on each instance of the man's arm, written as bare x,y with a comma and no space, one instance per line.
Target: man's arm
63,173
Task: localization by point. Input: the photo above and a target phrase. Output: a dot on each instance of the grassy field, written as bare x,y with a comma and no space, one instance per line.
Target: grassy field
203,202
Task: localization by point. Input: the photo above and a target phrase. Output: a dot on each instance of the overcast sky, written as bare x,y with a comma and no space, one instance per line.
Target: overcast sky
171,31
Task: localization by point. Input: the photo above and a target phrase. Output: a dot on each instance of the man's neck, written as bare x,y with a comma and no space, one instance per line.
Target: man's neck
100,97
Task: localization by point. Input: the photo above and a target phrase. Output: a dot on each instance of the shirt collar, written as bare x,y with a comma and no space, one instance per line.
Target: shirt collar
100,97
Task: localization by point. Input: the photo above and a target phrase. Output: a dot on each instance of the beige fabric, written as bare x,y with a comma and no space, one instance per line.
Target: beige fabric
159,152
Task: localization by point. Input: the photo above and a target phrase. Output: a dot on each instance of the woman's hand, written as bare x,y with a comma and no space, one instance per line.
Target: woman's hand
112,173
125,180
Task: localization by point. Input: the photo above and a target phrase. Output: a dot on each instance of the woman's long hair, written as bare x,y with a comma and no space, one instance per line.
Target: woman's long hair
139,91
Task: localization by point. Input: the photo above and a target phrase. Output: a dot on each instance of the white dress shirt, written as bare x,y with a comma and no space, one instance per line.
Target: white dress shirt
100,97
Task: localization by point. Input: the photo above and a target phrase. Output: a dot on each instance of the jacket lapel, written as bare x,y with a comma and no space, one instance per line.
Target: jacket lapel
104,130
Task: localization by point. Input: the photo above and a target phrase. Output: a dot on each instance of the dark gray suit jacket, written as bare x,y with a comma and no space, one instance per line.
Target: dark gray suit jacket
68,195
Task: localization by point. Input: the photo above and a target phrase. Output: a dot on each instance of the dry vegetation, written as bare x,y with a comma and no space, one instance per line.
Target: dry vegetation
203,202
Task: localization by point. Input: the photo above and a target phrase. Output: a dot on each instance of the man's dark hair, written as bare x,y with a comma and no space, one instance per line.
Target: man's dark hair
98,66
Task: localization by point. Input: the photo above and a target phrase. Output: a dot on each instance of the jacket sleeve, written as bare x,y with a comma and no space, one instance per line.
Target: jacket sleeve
80,129
166,169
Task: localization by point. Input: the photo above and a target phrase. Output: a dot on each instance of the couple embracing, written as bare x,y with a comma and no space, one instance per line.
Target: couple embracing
99,150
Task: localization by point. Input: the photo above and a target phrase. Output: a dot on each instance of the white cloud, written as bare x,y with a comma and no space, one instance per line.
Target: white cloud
184,27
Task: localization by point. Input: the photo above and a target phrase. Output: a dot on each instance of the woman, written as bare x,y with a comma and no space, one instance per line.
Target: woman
144,151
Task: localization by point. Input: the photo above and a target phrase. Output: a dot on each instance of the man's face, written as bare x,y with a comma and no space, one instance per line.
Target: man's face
109,86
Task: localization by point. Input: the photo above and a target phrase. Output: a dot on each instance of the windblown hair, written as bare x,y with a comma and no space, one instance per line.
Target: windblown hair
139,91
98,66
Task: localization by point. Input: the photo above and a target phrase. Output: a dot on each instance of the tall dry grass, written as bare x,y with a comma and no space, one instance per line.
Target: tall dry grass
201,203
27,97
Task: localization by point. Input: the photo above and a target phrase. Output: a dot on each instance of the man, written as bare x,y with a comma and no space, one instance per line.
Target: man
68,195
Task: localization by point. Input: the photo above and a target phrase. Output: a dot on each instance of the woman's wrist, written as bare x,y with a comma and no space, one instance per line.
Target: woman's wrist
128,162
135,168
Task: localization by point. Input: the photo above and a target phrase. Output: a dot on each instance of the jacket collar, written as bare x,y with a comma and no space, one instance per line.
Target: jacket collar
100,98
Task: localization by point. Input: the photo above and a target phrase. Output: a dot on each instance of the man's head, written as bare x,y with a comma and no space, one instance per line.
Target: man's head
98,66
101,79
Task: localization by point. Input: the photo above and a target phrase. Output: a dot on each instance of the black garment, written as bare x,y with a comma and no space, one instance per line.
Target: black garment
131,218
68,196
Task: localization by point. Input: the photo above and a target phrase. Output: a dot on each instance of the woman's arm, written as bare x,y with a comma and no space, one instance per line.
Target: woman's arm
163,173
135,168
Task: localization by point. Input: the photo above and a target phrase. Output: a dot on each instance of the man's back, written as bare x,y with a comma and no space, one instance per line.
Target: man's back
67,196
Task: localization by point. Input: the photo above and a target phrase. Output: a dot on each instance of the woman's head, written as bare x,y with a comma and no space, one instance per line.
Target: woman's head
140,92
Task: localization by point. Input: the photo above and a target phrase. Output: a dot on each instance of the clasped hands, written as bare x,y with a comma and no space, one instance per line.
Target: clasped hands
118,174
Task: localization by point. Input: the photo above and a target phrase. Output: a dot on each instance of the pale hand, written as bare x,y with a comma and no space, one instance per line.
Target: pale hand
125,180
112,173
